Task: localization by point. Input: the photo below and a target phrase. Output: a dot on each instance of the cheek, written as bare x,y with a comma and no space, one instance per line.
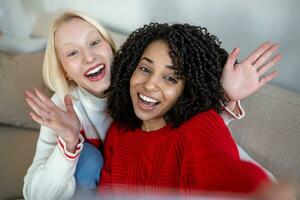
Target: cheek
71,66
134,79
173,94
106,50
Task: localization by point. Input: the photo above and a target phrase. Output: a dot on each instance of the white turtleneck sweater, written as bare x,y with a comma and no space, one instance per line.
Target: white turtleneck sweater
51,174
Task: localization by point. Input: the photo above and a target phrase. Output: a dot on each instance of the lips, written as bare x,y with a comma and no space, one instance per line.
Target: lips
96,72
146,102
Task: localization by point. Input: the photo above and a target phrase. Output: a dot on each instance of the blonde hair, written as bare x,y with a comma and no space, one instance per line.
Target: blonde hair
53,73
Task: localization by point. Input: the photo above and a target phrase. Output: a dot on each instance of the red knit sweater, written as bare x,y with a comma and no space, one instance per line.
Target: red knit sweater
198,156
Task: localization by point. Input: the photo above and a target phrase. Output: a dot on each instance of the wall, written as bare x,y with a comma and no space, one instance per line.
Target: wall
237,23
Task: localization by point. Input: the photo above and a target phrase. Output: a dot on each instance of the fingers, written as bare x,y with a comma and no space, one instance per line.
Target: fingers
259,51
69,104
232,57
269,64
267,78
265,55
34,98
38,119
43,107
37,108
44,98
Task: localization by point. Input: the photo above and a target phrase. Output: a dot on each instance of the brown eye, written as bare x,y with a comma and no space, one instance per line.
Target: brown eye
94,43
144,69
171,79
72,53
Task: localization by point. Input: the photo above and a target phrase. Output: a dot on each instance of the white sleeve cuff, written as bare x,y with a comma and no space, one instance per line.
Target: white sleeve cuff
238,115
66,153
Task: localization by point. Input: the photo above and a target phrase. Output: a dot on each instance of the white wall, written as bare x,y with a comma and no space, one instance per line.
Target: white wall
245,24
240,23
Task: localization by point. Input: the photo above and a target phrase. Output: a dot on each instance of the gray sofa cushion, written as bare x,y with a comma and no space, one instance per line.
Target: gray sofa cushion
17,147
270,131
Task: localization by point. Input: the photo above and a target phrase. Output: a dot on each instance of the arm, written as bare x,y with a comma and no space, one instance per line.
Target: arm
51,173
211,161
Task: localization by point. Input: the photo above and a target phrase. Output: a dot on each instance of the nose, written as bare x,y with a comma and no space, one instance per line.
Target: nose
88,56
151,83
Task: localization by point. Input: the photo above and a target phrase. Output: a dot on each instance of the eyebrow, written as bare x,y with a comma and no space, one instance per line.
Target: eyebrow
151,61
88,33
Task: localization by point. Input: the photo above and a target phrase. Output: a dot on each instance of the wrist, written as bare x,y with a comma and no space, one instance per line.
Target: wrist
232,106
63,147
71,144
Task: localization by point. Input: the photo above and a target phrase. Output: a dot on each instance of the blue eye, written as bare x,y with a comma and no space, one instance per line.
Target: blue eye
72,53
94,43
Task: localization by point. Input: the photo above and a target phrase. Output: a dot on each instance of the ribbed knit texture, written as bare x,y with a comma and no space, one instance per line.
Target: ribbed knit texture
198,156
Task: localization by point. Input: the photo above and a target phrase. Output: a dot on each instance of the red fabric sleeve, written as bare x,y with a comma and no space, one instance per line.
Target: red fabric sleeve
211,160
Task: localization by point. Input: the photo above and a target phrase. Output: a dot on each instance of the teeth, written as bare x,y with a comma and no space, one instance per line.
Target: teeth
98,68
147,99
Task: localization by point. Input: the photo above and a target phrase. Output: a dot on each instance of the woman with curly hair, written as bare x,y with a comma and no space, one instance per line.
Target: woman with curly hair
165,97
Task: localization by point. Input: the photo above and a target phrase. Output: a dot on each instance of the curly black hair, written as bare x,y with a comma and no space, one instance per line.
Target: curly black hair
197,57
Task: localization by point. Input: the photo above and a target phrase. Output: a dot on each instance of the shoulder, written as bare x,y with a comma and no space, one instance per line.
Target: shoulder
116,128
204,119
207,132
112,130
206,126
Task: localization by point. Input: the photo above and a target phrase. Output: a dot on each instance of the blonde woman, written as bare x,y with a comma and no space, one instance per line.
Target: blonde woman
76,67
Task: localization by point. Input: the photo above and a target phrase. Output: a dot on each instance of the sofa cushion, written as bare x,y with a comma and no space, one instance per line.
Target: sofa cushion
17,147
270,131
19,72
22,45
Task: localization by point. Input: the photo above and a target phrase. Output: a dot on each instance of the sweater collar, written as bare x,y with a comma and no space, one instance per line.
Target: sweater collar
91,101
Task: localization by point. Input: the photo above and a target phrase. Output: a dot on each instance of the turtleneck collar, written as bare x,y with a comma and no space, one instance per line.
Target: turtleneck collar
91,101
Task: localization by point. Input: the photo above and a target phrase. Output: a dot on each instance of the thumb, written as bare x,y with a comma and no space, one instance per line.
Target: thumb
232,57
68,103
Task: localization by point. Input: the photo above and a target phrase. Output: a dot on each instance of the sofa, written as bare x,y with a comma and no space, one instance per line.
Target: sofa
270,131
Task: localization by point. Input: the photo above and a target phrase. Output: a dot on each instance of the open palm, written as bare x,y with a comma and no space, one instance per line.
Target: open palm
64,123
242,79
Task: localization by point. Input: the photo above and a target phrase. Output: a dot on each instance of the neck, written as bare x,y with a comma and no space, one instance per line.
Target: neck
153,125
100,95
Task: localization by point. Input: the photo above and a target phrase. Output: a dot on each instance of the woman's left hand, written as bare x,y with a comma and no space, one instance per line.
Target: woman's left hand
240,80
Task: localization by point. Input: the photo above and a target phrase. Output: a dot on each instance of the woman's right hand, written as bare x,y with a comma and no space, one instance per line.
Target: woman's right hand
65,123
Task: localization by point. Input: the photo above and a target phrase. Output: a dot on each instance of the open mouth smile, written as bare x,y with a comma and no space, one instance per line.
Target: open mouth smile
147,102
95,73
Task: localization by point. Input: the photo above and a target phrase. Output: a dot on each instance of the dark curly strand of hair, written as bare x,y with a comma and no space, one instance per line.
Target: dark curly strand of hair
197,57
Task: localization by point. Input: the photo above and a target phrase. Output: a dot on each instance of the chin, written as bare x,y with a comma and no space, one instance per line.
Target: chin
145,116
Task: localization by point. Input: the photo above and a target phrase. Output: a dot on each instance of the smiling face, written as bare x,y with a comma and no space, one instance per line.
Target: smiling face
85,56
154,87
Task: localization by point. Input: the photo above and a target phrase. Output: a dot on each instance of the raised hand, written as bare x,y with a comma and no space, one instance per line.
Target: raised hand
64,123
242,79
